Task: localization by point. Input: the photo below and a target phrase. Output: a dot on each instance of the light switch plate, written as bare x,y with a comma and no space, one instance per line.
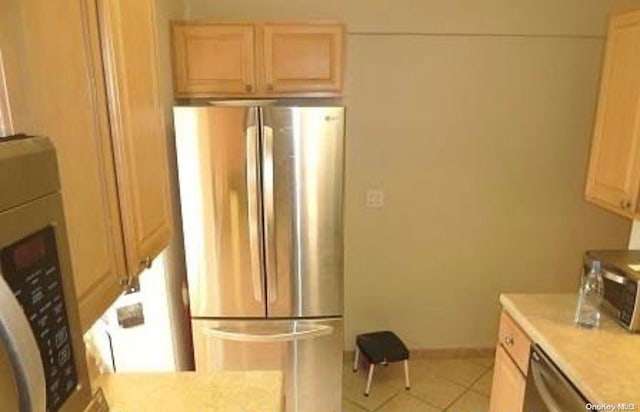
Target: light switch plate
374,198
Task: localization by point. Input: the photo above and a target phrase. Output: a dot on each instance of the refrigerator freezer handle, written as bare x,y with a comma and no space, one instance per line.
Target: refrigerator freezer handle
269,214
17,336
253,207
221,333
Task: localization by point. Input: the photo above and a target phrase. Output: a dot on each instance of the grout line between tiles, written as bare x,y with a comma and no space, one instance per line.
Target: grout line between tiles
387,401
478,378
467,390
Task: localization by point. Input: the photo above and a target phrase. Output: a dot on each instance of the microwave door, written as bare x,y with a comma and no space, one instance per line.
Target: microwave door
24,377
8,385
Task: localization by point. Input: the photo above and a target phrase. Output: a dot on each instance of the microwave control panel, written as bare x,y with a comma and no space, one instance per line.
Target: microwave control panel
32,270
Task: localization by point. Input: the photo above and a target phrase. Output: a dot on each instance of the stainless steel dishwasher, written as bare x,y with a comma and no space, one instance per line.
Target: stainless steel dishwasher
548,390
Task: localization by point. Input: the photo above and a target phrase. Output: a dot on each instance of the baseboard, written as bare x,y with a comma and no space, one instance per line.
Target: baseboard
441,353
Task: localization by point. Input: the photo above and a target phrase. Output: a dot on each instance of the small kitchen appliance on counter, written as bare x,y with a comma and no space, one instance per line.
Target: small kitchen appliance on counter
261,192
621,275
42,358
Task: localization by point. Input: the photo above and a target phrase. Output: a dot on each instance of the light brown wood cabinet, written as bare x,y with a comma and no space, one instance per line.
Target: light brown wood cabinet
137,127
113,184
302,58
510,368
613,180
258,60
213,59
507,393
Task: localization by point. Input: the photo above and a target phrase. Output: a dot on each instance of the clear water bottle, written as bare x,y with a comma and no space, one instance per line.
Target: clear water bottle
590,298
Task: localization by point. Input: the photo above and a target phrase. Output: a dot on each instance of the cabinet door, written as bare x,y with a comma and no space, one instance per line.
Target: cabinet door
507,390
59,73
137,127
302,58
614,172
211,59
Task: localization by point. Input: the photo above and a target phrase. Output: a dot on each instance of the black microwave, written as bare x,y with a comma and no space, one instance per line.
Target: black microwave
621,275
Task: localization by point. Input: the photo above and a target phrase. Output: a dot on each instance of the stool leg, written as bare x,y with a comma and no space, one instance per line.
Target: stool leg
355,361
407,383
368,388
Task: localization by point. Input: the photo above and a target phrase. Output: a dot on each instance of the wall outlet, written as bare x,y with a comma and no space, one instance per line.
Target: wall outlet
374,199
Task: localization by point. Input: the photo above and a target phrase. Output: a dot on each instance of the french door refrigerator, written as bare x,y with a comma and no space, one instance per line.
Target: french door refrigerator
261,191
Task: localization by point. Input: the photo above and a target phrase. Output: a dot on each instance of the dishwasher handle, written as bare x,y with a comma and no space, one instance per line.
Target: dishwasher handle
549,380
543,390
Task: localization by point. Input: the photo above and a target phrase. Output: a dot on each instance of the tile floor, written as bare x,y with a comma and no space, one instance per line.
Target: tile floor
450,385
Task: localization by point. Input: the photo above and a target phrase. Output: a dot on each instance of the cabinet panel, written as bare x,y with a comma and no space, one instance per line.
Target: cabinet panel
515,342
14,105
614,172
60,72
137,127
507,391
211,59
303,57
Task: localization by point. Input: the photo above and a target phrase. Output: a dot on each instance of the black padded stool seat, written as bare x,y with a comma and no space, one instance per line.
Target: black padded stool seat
381,348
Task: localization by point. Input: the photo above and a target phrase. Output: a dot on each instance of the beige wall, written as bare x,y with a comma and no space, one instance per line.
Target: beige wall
475,118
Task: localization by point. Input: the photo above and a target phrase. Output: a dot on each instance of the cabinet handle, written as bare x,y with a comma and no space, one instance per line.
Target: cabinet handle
270,87
625,204
248,87
146,263
508,340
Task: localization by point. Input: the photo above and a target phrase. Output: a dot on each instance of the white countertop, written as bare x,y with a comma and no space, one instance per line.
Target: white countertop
603,363
191,391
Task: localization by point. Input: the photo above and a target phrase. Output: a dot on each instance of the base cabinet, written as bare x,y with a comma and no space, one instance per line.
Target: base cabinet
511,367
507,394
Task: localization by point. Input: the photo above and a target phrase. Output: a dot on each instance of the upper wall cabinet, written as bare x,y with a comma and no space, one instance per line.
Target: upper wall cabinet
213,58
62,76
258,60
613,179
302,58
94,95
137,127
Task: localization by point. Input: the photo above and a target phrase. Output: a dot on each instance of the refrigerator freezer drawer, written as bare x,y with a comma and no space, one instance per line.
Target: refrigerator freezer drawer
308,352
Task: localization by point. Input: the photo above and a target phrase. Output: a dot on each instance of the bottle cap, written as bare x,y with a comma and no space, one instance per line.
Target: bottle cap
596,265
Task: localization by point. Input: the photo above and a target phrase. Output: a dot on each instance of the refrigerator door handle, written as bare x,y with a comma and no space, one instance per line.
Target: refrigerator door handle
228,334
269,214
253,207
22,348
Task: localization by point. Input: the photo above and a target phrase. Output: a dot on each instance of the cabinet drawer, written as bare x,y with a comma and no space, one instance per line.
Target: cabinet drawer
515,342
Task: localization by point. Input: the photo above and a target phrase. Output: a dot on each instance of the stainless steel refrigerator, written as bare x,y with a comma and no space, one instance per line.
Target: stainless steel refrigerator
261,191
